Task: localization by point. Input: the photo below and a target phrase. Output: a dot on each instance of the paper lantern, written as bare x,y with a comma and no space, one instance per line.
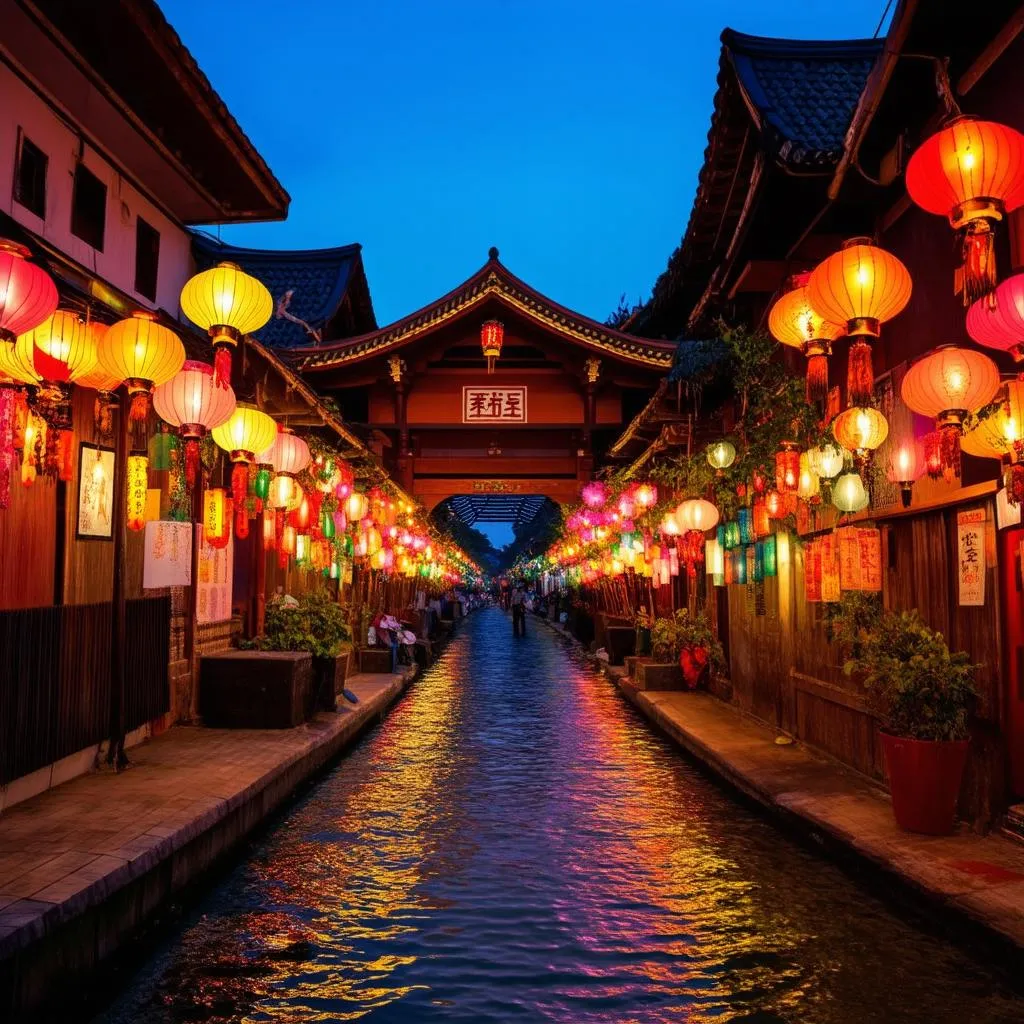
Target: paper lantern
645,496
215,517
827,461
849,493
697,515
860,431
972,172
759,518
492,337
771,561
143,354
745,523
775,504
356,507
192,402
287,453
246,432
721,455
997,320
809,487
1000,435
138,485
861,286
61,348
949,384
794,321
289,541
787,468
906,464
227,303
28,295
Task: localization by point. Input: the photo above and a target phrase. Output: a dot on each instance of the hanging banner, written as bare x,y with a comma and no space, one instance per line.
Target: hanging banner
215,568
830,590
860,558
812,571
167,559
870,559
970,526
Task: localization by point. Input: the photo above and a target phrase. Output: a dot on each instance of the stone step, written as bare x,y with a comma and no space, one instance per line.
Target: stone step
1013,822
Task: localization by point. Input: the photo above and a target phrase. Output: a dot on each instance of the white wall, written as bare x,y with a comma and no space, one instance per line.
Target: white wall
20,107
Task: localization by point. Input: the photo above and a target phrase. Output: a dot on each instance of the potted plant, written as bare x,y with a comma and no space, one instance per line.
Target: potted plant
924,693
699,649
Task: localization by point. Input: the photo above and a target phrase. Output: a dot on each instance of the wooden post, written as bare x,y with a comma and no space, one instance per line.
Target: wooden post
115,748
259,603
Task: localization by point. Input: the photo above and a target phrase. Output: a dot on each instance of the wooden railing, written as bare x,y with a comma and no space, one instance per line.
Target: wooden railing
55,691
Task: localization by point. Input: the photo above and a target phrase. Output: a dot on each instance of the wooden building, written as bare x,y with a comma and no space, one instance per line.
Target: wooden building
807,147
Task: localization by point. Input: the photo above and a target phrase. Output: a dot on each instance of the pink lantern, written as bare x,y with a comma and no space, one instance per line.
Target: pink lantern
594,494
999,324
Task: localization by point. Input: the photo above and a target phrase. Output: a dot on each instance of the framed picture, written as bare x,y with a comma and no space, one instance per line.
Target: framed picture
95,492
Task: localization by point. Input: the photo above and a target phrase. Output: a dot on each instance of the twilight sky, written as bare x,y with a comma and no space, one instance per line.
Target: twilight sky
568,133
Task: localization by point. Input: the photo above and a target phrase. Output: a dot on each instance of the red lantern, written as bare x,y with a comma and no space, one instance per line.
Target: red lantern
949,384
761,525
787,468
997,321
27,293
973,173
906,464
775,505
192,402
492,337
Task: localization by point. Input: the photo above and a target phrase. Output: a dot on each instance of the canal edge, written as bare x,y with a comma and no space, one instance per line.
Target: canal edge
957,916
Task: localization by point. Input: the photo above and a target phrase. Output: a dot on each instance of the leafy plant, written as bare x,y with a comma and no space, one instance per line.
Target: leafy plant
316,623
669,636
849,620
922,689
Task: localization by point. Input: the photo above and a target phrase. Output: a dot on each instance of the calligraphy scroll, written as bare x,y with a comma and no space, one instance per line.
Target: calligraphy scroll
970,526
830,589
167,558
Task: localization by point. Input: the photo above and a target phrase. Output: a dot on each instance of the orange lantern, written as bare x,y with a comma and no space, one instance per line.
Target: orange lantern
138,482
192,402
216,529
142,353
492,337
102,382
269,530
860,431
809,487
949,384
906,464
794,321
787,468
973,173
860,286
356,507
761,525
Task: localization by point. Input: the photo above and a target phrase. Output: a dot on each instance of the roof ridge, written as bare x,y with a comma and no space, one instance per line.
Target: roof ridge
780,46
210,244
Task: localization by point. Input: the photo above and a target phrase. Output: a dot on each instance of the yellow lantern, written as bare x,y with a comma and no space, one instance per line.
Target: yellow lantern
809,486
285,492
245,433
61,349
356,507
861,431
142,353
138,481
226,302
214,515
721,455
849,493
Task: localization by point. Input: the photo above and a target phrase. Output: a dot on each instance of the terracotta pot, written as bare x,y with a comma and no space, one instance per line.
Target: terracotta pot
924,776
693,661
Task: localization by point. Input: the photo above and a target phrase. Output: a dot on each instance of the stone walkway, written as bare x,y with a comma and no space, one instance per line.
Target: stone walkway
979,879
66,852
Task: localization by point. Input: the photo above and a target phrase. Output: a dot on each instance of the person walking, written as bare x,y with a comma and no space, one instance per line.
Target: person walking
518,612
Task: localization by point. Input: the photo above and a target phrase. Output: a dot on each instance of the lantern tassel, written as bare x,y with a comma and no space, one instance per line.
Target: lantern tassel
860,376
191,461
1015,484
817,378
222,366
950,448
239,488
139,408
979,275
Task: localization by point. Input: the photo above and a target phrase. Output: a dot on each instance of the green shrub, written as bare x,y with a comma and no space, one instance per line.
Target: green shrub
670,636
316,624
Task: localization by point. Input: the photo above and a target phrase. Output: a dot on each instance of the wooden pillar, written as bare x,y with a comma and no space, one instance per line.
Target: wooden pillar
115,749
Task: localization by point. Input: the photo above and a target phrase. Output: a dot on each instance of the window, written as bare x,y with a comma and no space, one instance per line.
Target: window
147,258
89,208
30,177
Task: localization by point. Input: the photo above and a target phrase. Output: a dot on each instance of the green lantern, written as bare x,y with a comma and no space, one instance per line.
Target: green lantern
771,560
261,482
161,445
326,524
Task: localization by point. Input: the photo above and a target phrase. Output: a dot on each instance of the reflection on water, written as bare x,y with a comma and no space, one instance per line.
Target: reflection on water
514,844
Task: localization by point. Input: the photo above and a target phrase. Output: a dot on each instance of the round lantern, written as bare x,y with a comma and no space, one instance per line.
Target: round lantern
226,302
246,432
905,466
721,455
62,348
787,468
997,321
809,487
103,383
849,493
492,337
860,431
289,455
696,514
860,286
1000,435
27,293
356,507
827,461
285,492
191,402
794,321
949,384
645,496
143,354
970,172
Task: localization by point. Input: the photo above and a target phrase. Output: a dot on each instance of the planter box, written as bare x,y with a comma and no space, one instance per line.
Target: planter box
632,660
375,660
255,689
651,675
619,642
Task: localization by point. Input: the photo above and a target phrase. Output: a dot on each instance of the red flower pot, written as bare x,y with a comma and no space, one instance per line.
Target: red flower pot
694,662
924,776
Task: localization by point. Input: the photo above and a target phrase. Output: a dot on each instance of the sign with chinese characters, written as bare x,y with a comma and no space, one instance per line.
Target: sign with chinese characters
493,405
970,528
167,561
860,558
214,578
830,590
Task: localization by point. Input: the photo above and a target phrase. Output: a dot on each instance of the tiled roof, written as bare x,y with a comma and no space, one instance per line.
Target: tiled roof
804,91
318,279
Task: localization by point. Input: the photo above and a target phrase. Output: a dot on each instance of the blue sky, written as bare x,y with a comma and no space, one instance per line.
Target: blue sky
569,133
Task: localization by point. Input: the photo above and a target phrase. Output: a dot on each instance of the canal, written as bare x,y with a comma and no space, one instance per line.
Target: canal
514,844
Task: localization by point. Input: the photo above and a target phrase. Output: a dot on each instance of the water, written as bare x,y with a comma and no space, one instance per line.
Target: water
515,844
